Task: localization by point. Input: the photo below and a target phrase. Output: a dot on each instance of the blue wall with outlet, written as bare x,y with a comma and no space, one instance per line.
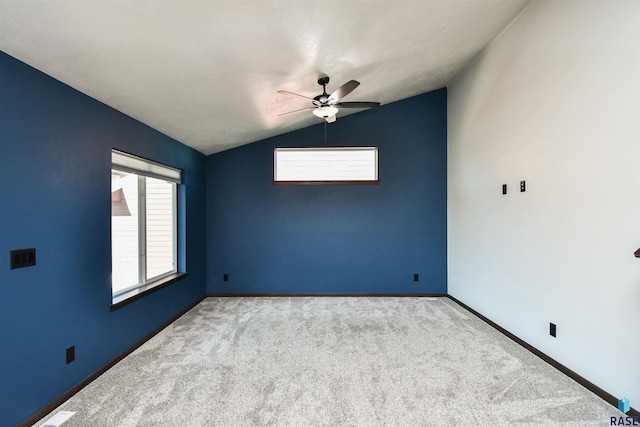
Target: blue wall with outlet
349,239
55,156
55,152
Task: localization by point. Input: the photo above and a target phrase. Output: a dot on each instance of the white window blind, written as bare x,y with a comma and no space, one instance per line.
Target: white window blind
331,164
129,163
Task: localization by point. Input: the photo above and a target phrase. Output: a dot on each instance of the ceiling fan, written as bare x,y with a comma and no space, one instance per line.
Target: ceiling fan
327,106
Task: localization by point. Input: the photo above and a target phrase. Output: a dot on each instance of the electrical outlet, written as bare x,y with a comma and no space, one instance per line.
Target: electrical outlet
552,329
416,277
523,186
71,354
225,277
504,188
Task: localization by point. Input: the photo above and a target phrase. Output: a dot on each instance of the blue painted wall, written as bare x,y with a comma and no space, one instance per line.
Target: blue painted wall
55,160
335,238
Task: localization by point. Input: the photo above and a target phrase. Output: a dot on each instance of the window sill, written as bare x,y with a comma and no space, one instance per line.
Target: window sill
135,294
356,182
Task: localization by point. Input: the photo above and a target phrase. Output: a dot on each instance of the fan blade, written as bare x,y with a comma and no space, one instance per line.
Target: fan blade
357,104
297,111
295,95
331,119
343,91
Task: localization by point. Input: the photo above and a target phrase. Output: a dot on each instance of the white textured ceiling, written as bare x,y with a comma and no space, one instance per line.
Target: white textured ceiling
207,72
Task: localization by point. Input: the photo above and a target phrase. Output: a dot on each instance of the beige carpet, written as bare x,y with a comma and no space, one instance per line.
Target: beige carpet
333,361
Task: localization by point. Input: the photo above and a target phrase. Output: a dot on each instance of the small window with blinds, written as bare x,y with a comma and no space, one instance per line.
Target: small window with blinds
143,224
330,165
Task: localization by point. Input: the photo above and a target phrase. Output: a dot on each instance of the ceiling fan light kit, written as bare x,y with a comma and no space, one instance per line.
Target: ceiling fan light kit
325,112
326,106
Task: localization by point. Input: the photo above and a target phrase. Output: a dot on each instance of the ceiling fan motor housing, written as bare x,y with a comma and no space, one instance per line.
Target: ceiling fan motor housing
321,99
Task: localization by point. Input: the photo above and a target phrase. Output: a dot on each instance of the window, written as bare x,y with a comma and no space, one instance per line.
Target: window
143,225
325,165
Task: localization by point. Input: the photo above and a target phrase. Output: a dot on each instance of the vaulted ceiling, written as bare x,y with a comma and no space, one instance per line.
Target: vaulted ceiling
207,72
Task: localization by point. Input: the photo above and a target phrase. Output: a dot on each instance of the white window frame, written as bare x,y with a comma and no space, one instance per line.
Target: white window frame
143,168
312,166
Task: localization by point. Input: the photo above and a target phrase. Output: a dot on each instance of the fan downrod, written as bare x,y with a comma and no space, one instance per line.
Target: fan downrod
324,97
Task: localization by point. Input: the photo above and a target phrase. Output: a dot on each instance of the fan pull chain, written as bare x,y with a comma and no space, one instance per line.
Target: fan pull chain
325,134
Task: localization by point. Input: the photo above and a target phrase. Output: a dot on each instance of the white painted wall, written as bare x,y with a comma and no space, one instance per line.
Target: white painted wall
554,100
